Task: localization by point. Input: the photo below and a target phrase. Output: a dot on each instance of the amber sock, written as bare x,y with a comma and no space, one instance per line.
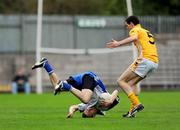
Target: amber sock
131,105
133,99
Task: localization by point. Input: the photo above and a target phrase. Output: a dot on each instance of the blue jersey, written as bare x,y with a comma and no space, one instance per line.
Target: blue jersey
99,88
99,84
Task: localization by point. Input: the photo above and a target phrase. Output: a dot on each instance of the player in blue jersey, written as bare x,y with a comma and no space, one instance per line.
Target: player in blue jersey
86,86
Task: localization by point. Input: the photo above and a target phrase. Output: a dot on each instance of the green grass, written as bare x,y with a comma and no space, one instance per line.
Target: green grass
48,112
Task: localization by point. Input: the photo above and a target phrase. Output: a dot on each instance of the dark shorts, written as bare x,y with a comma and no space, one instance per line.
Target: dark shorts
88,82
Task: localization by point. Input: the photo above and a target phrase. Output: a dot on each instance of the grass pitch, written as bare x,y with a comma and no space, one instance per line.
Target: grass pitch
48,112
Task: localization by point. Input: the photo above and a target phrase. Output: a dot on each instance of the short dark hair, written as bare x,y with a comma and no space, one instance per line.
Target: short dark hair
132,19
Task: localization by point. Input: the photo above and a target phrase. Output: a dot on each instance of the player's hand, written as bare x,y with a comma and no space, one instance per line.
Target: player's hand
72,110
112,44
70,115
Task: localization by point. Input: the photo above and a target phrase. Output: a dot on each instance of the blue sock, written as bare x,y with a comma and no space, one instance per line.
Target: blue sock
48,68
66,86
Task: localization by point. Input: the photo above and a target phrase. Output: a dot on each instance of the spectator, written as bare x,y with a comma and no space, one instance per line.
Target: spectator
20,82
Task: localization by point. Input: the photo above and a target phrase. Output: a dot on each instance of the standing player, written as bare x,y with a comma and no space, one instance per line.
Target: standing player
146,62
87,87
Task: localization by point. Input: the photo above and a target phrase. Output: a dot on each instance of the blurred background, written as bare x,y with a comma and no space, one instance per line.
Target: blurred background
74,33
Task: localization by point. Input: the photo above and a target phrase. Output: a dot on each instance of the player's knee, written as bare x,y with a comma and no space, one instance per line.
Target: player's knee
120,81
86,100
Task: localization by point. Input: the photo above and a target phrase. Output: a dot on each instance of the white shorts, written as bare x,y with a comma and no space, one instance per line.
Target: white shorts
83,106
144,67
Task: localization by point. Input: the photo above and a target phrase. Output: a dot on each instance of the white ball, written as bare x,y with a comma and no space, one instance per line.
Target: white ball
104,96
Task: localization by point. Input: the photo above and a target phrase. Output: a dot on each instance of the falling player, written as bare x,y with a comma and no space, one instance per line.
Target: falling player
86,86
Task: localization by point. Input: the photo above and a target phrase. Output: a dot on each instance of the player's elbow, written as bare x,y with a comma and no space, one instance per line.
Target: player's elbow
134,38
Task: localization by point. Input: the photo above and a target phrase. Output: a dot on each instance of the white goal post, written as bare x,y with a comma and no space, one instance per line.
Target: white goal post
38,45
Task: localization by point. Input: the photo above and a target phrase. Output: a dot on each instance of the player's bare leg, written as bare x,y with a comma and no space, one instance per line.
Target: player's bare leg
72,110
54,79
135,87
136,90
124,82
43,63
84,95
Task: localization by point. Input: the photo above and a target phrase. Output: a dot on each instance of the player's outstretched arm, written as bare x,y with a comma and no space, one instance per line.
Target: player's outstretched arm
72,110
113,43
108,102
114,95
